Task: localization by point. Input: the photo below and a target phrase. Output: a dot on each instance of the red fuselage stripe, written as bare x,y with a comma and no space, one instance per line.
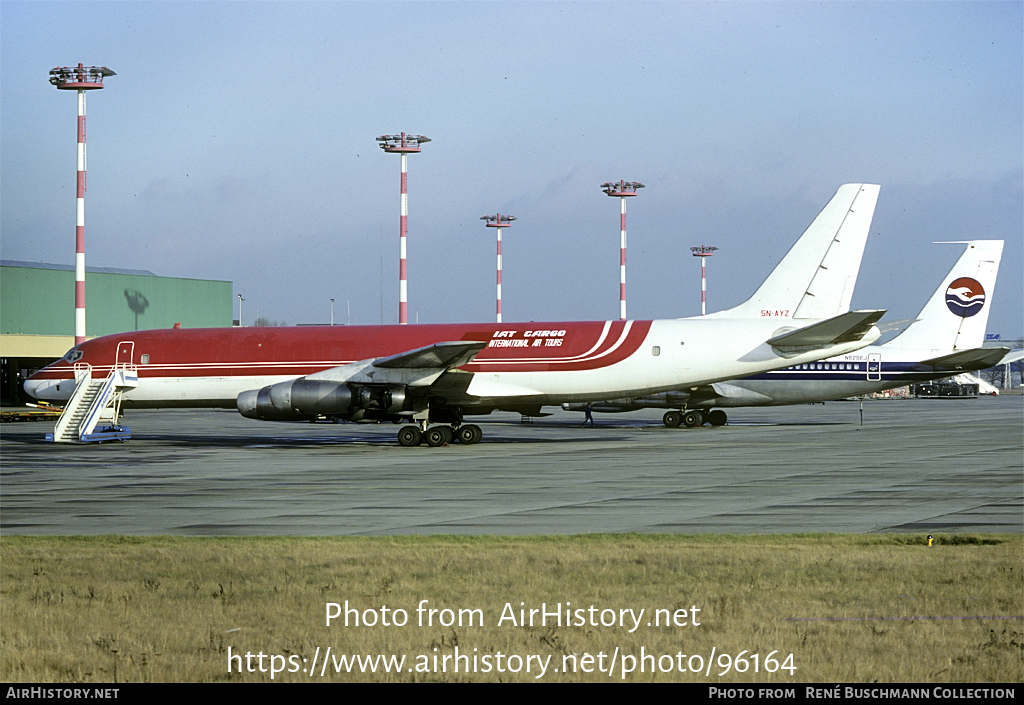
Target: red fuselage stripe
297,351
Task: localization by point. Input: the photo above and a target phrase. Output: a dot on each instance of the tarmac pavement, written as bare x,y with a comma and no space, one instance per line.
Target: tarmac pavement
917,466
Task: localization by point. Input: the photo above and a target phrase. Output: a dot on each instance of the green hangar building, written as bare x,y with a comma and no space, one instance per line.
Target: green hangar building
37,310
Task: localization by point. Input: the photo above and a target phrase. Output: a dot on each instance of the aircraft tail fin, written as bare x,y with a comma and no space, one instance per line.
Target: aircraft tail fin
956,315
816,277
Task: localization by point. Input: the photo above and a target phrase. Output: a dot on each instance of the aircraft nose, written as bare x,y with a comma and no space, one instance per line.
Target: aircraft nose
43,389
32,387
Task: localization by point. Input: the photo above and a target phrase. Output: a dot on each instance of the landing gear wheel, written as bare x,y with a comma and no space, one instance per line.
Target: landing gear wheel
717,418
438,436
672,419
469,434
409,436
693,418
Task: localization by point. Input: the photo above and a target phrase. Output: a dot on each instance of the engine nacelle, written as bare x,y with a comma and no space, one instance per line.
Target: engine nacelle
302,398
387,400
295,400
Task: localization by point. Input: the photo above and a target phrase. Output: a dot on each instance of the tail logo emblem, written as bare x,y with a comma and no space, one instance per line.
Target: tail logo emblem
965,297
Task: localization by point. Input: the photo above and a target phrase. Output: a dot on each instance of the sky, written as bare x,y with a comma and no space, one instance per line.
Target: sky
237,142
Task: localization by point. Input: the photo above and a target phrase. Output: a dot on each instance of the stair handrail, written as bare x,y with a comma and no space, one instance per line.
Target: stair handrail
129,379
82,369
83,375
122,375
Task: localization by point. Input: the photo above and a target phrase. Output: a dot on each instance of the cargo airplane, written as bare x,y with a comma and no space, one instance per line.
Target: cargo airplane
431,376
945,339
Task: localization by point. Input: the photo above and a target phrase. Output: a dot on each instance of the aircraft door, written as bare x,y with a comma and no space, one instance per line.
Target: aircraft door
681,357
874,367
125,353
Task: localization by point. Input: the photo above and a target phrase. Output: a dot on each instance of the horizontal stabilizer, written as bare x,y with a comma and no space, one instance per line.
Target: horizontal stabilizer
975,359
1013,356
846,328
437,356
900,325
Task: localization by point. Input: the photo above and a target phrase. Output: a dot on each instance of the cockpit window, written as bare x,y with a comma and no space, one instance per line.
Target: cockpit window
73,356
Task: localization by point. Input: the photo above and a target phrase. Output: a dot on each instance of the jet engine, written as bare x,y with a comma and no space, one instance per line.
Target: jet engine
303,399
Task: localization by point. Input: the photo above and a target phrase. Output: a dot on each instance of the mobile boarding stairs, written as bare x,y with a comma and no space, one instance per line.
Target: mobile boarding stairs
95,401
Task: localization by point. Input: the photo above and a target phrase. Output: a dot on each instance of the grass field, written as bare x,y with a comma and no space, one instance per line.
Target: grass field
755,609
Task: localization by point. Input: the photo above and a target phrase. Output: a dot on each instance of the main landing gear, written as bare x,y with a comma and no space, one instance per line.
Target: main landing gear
692,418
439,435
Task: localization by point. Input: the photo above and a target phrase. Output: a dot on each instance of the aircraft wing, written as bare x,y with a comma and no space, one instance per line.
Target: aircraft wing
379,382
974,359
442,355
844,328
419,367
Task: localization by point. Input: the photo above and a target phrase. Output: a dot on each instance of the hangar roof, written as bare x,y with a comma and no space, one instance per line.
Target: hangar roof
70,268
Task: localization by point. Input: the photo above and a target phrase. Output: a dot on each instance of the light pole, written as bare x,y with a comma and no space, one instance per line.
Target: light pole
622,191
703,252
405,145
240,300
332,312
80,78
498,222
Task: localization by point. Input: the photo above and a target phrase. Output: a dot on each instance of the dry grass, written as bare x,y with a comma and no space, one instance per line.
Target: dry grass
849,608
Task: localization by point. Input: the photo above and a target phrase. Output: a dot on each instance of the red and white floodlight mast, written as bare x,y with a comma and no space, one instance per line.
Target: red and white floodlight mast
703,252
405,145
80,78
498,222
622,191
